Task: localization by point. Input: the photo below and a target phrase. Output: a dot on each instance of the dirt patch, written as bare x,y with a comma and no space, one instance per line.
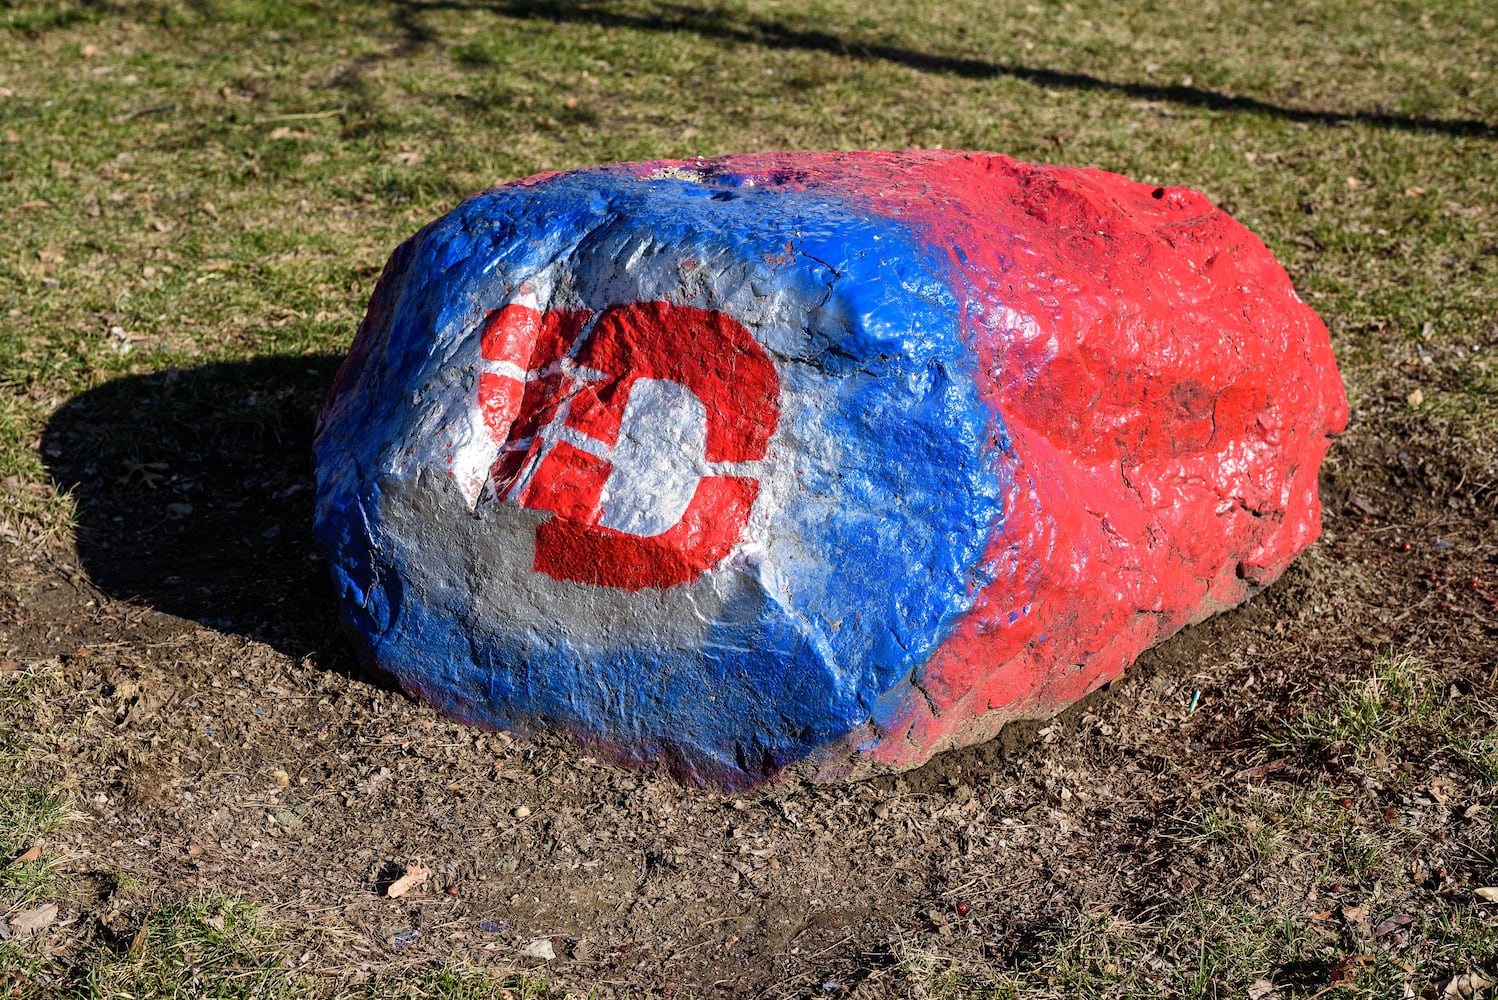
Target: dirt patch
213,729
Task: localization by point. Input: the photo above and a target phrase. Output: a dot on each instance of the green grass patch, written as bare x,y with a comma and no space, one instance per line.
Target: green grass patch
191,949
1208,950
1401,708
206,949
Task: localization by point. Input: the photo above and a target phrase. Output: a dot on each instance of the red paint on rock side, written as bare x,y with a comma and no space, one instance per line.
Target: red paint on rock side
1168,395
1171,404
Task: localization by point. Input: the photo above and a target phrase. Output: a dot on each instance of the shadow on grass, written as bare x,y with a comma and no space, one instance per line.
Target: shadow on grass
773,34
194,494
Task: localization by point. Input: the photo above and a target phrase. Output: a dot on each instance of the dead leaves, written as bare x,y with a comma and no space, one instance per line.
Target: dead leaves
416,874
1389,925
151,473
1467,986
34,921
1260,770
138,942
34,853
1345,972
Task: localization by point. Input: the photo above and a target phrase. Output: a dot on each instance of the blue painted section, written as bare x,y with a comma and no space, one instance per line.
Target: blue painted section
883,552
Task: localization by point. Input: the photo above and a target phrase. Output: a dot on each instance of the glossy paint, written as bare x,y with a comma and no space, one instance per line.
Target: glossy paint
830,460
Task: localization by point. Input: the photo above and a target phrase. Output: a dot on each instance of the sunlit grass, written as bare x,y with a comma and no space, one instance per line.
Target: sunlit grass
1401,706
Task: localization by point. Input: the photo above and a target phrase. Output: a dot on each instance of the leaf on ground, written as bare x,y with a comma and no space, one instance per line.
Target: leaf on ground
1260,770
1390,924
29,855
138,943
1468,984
415,875
1345,972
1259,989
35,920
1488,892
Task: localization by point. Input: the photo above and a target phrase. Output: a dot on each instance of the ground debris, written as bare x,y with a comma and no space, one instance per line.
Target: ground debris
34,920
415,875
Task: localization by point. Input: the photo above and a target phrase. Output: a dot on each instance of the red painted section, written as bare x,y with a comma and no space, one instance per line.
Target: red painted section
527,337
709,353
574,549
567,483
500,399
1167,394
1171,399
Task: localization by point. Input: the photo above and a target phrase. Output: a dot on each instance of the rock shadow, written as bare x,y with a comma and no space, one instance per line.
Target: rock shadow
194,496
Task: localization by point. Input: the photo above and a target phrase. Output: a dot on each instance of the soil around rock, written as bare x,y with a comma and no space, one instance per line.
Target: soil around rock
218,738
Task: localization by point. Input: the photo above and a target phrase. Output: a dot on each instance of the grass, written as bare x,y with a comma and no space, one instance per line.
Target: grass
190,947
192,183
1213,949
27,815
1397,725
1400,708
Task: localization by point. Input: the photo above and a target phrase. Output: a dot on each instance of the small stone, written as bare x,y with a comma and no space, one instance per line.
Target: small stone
403,938
521,812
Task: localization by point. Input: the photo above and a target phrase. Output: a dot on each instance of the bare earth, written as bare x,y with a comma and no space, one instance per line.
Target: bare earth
208,719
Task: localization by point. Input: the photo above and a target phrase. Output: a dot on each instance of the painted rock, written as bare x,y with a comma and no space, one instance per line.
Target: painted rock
815,461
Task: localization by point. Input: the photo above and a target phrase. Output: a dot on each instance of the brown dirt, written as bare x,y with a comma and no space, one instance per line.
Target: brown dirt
188,655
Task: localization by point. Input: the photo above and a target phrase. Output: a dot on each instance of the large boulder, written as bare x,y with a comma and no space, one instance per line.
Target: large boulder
827,460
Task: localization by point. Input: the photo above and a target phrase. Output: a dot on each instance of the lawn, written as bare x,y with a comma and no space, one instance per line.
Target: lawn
1294,799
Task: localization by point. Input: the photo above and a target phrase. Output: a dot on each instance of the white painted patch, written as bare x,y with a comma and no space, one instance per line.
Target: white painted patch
658,459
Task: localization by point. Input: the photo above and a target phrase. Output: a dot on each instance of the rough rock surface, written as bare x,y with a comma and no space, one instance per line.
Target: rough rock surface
830,460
